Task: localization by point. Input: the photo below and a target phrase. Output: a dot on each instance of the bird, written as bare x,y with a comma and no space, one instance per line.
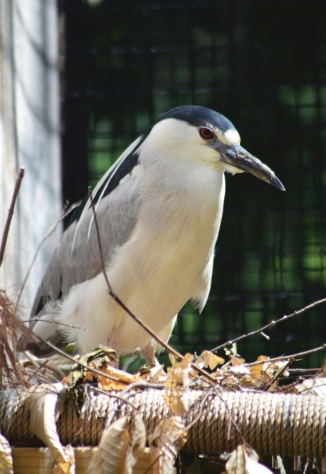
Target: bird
159,209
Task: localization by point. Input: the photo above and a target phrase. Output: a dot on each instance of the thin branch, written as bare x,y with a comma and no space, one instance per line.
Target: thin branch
277,376
67,356
197,417
124,392
113,395
38,370
272,323
124,307
144,385
44,365
303,371
10,214
53,322
292,356
66,211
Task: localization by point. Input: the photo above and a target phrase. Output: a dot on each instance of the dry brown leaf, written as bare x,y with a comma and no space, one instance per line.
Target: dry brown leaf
241,462
177,384
217,373
124,379
121,444
257,370
165,443
249,382
265,378
184,363
257,376
45,408
236,360
68,466
230,380
208,359
97,359
152,374
6,464
112,450
273,369
137,444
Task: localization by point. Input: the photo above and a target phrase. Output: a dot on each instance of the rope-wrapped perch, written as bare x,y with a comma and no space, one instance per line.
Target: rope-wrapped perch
273,424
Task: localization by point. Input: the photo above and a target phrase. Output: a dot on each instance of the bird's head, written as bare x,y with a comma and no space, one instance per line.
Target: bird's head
203,135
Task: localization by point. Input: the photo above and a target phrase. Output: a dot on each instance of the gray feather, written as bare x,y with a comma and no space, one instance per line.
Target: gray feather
77,257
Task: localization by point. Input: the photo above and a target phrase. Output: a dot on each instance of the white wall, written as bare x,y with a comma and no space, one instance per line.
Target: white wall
29,137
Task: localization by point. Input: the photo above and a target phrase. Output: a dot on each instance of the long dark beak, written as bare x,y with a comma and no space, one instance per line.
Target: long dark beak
240,158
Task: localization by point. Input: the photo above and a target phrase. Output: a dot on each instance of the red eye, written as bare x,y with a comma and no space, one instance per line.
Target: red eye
206,133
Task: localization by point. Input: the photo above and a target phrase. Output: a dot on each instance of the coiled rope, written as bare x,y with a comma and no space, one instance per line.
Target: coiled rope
275,424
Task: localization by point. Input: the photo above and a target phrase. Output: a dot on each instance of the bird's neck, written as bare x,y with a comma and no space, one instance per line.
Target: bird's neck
189,197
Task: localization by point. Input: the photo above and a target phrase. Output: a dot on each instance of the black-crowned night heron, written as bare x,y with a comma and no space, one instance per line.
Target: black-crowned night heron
159,209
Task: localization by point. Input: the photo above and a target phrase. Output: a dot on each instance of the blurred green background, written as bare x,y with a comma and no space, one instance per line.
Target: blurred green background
263,65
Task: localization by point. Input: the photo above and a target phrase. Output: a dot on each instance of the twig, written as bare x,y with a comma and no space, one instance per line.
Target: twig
87,390
125,391
197,417
40,367
32,359
113,395
303,371
10,213
202,401
53,322
277,376
66,211
272,323
67,356
292,356
45,365
124,307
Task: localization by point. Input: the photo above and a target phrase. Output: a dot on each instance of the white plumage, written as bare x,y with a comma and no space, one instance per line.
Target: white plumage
159,211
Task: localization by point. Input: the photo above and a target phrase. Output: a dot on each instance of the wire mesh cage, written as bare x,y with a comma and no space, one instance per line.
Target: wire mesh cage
260,63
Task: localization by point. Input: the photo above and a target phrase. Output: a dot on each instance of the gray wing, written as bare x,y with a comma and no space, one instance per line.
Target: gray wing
77,257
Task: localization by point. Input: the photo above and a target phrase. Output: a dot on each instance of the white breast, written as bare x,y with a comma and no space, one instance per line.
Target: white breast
166,262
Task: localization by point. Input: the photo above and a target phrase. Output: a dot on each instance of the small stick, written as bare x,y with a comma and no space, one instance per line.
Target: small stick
10,213
277,377
67,356
66,211
196,418
292,356
124,307
303,371
114,410
272,323
109,394
53,322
